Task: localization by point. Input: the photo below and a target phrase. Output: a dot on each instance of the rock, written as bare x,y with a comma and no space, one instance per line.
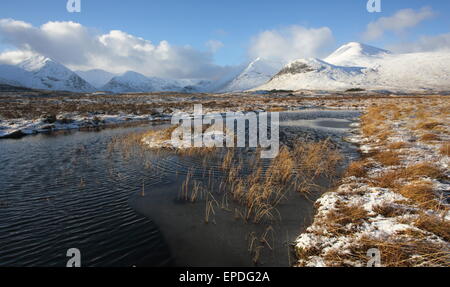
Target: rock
49,119
65,121
48,127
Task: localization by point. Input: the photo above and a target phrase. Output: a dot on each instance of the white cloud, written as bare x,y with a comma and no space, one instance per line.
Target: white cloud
424,44
15,57
82,48
214,45
292,43
399,22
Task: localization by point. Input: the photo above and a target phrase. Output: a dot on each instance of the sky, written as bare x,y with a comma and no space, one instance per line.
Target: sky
206,38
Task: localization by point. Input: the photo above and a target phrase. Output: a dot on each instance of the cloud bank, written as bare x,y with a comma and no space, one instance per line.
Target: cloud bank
81,48
292,43
399,22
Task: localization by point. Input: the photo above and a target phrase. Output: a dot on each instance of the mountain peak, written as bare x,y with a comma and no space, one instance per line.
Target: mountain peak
35,63
355,54
132,76
359,48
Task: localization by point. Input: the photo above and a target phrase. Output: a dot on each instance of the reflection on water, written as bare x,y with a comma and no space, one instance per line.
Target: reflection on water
70,191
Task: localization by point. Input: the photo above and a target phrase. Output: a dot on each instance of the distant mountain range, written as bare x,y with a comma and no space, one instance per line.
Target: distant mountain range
353,65
138,83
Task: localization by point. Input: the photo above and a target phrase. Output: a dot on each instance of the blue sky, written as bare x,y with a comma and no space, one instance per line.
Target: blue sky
233,23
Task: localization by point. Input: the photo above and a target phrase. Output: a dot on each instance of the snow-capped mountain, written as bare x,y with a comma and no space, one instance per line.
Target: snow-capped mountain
255,74
132,82
39,72
313,74
360,66
356,54
96,77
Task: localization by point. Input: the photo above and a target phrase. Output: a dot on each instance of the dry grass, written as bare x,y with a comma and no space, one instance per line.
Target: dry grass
374,122
430,137
388,210
335,222
424,169
317,158
410,247
445,149
348,214
421,193
435,225
357,169
393,178
428,125
388,158
281,169
276,109
397,145
260,192
401,252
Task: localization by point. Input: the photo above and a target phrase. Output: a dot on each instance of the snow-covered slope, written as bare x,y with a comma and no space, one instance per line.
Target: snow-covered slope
313,74
255,74
132,82
97,77
13,75
359,66
356,54
43,73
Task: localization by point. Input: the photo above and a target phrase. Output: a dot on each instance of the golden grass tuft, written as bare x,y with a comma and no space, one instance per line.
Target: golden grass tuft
397,145
421,193
430,137
387,180
388,210
357,169
280,171
317,158
445,149
388,158
338,218
428,125
401,252
424,169
435,225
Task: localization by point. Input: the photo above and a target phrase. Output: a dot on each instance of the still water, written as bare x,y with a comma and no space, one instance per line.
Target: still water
69,190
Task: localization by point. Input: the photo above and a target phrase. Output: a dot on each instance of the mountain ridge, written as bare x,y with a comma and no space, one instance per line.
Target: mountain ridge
356,65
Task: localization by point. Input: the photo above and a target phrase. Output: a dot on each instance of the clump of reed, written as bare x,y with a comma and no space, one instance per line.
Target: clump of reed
294,169
358,169
317,158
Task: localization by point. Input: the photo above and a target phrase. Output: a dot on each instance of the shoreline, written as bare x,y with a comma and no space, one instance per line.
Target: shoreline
397,205
35,127
22,115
